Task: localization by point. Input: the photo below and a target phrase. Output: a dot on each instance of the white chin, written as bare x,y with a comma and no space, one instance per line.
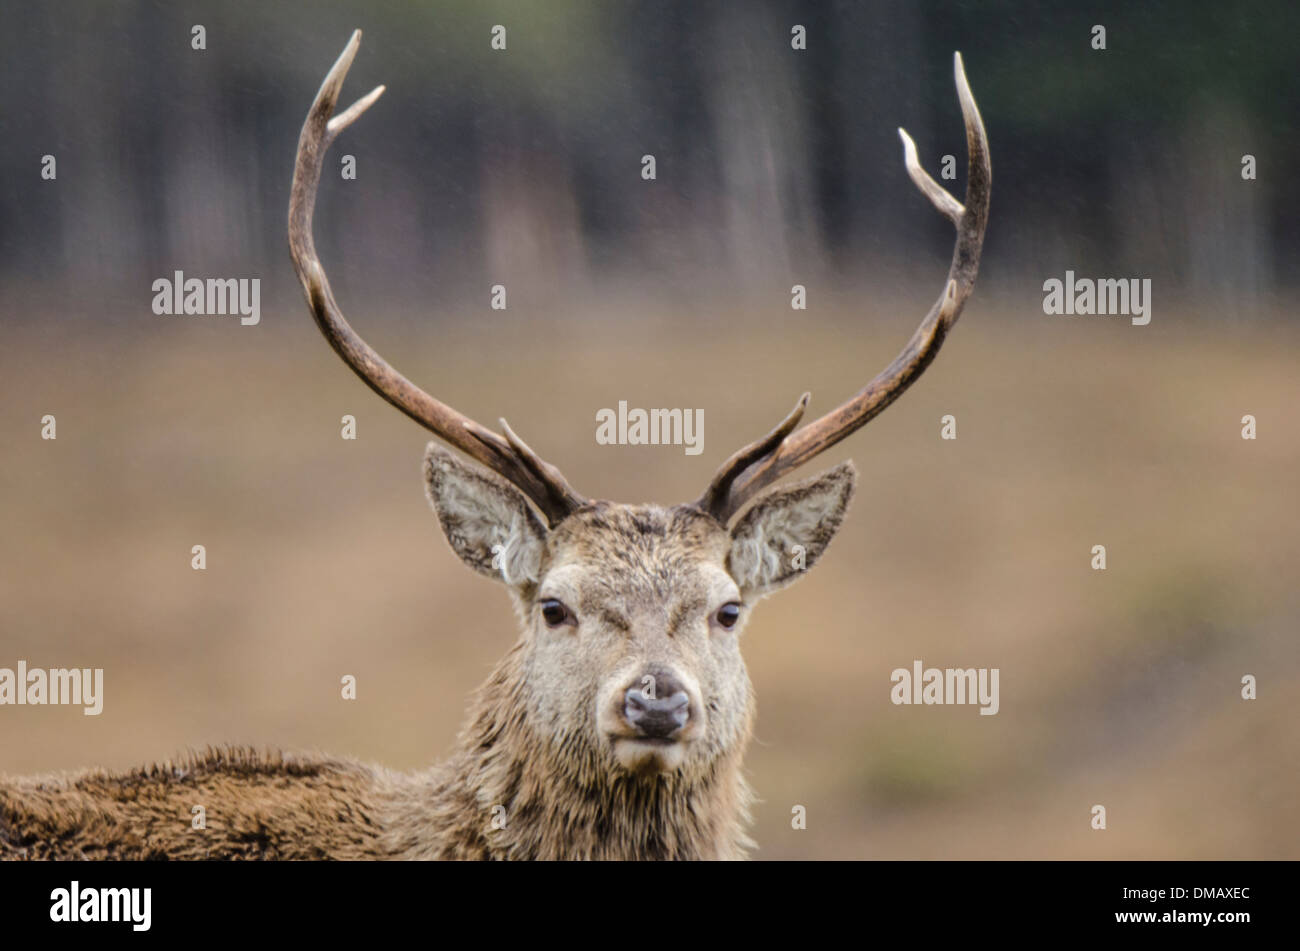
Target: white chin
642,756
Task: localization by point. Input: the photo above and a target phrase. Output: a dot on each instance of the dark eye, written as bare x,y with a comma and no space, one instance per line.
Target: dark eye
554,612
728,615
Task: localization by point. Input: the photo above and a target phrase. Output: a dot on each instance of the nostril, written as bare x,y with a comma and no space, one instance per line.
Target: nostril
678,704
659,717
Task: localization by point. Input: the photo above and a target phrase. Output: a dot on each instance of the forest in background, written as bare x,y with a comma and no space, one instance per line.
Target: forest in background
774,166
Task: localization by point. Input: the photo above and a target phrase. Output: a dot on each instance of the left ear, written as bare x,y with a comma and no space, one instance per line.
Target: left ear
487,521
787,529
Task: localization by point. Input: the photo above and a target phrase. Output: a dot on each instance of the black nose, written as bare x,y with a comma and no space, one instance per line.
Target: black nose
657,707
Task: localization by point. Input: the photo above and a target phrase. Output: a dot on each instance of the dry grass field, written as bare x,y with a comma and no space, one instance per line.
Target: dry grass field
1118,687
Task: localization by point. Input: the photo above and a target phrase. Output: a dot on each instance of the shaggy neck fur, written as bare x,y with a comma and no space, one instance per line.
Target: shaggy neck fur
510,794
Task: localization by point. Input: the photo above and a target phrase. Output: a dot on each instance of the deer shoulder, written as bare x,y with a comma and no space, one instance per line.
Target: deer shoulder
221,804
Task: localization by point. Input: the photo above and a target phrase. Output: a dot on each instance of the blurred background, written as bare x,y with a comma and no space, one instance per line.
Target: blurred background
774,167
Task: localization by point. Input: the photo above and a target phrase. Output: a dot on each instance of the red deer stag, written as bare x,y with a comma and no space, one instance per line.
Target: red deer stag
615,727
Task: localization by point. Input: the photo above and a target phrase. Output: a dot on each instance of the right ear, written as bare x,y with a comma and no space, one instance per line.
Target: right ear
803,517
487,521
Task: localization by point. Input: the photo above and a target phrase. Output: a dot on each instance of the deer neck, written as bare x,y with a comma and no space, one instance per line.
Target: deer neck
527,796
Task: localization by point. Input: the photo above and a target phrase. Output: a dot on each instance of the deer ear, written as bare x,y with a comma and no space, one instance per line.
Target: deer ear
487,521
787,529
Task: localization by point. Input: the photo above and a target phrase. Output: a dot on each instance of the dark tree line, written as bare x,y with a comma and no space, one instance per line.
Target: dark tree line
770,162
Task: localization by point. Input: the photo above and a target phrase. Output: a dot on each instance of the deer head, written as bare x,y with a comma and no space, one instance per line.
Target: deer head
632,613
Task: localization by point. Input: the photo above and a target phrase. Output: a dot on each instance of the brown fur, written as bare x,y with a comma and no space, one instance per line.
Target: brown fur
537,773
276,806
258,807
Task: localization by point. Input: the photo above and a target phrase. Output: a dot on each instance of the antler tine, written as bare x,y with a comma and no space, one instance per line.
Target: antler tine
561,493
754,468
509,457
715,496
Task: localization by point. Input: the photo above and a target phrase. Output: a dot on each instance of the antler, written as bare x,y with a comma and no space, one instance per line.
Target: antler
508,456
763,462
